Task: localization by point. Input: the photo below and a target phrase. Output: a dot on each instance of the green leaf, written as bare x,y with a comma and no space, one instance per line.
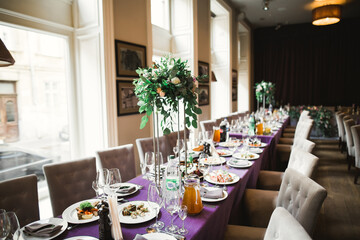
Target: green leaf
142,108
194,123
166,131
144,120
197,110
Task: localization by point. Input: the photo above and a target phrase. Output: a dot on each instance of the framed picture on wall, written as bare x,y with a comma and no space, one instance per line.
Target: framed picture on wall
129,57
203,69
234,78
126,98
204,95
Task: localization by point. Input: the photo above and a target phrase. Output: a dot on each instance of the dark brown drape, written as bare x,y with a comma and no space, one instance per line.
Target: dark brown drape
310,65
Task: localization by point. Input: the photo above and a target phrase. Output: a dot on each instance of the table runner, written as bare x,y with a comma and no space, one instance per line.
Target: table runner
210,223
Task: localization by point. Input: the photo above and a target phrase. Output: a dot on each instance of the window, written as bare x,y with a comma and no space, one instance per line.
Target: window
160,13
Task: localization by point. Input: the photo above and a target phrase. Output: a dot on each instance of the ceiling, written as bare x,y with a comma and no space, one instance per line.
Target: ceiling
283,12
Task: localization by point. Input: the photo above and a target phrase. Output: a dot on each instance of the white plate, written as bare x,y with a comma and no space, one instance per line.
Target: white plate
256,150
129,220
239,156
234,176
261,146
158,236
226,153
245,163
129,193
70,214
225,195
82,238
56,221
213,160
230,144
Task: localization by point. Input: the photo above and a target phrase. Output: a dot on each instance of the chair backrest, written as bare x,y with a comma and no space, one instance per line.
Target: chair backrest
171,139
146,145
338,122
341,126
20,195
349,139
355,130
121,157
302,197
304,144
304,115
302,161
283,225
70,182
218,121
207,125
303,129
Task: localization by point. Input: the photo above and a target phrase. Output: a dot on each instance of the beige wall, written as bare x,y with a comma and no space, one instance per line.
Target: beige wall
130,24
204,55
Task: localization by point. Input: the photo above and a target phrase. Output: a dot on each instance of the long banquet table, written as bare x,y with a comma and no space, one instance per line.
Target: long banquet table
212,221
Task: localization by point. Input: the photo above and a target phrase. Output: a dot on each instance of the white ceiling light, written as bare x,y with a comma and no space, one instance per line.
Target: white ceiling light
266,5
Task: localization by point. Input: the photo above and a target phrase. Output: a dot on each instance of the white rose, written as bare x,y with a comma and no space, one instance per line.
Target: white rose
175,80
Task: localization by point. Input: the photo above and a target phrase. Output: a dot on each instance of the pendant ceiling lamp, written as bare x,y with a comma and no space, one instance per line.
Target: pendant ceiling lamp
326,15
5,57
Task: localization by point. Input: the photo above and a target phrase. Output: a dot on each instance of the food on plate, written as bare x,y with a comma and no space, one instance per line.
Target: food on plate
134,210
247,155
199,148
86,210
223,152
221,176
211,160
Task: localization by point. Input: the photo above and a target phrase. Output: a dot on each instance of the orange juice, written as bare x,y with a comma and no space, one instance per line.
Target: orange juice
192,198
216,137
259,129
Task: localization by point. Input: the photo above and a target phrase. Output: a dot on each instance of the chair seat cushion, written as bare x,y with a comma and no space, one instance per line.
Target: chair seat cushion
288,141
288,135
269,180
234,232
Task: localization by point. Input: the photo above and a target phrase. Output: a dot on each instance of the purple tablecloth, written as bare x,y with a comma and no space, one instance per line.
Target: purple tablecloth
211,222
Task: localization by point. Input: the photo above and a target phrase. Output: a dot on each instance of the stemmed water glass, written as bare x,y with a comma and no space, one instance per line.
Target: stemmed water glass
149,162
4,225
95,186
155,196
171,205
182,215
178,147
114,180
14,226
102,180
208,136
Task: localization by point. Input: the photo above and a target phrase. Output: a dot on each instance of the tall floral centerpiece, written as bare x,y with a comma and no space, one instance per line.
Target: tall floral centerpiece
264,91
161,88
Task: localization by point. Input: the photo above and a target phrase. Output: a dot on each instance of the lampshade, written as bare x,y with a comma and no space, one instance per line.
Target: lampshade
326,15
5,57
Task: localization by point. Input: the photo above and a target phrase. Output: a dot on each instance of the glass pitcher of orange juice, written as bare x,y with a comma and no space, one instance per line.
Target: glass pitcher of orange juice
216,136
192,198
259,129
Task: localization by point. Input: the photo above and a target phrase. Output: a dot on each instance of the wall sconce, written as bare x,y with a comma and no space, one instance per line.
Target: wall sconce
326,15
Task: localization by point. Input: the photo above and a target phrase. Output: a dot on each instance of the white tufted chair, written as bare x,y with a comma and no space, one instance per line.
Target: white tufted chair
342,131
337,118
304,115
300,195
349,141
300,160
70,182
303,130
121,157
355,130
20,195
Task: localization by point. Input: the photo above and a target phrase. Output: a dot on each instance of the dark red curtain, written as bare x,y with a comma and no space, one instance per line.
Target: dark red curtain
310,65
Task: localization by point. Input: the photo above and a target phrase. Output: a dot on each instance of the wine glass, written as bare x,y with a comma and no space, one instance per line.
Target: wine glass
114,179
182,215
102,180
4,225
171,205
208,136
149,162
178,147
14,226
95,186
155,196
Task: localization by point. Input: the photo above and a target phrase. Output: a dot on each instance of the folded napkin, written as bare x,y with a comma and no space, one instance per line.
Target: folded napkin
211,192
240,163
213,151
42,229
126,189
139,237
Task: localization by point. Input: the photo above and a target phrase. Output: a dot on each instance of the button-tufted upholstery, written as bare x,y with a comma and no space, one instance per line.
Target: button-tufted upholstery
283,225
20,195
355,130
300,195
349,138
300,160
146,145
121,157
70,182
303,130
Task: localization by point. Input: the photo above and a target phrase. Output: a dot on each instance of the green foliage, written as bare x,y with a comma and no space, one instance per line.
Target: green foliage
266,89
86,205
164,85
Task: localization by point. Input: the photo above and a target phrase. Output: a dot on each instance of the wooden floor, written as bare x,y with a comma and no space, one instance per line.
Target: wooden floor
340,215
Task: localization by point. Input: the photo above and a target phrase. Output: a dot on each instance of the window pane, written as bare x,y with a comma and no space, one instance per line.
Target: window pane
10,111
160,13
7,88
